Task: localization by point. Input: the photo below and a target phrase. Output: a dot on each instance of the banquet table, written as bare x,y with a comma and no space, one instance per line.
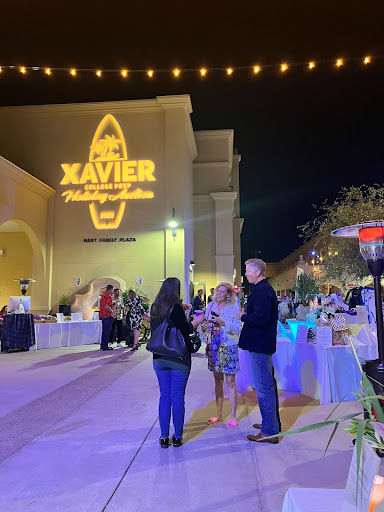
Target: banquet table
327,374
67,334
315,500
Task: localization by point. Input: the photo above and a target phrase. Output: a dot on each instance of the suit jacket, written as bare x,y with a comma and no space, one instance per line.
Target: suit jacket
260,321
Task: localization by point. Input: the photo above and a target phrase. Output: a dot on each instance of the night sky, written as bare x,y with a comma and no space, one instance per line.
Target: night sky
302,135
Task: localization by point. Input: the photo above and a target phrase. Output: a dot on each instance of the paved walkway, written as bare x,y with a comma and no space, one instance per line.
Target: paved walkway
79,433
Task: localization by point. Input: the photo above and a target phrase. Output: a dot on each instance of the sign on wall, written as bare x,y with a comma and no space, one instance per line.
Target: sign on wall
108,177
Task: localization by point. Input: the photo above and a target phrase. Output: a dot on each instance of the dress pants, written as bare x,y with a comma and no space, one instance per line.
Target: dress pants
116,323
106,331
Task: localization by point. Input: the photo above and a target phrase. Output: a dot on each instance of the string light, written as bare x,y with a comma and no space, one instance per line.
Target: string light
176,72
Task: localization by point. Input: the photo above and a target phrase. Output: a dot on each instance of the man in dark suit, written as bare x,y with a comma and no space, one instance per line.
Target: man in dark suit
198,302
258,336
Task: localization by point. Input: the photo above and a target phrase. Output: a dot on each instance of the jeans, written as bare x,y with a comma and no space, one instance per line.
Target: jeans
118,324
106,331
264,383
172,385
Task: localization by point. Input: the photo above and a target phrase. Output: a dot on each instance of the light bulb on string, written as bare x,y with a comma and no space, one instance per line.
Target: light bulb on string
256,69
311,65
48,71
339,63
150,73
367,60
1,69
72,72
229,71
124,73
23,70
176,72
203,71
99,73
284,67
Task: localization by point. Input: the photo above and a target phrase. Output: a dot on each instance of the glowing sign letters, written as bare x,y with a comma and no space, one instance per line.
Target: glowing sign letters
108,176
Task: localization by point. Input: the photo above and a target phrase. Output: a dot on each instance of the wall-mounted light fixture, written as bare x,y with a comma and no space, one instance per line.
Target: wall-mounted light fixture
173,224
192,263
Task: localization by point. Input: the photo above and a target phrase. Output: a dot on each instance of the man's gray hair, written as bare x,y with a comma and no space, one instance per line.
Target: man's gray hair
257,264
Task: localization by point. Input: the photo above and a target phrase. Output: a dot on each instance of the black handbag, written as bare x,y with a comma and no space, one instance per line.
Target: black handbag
167,340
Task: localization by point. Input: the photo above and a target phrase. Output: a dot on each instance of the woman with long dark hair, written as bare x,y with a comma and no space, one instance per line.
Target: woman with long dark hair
172,372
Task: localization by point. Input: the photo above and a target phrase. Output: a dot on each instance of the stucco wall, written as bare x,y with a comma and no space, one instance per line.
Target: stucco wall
15,263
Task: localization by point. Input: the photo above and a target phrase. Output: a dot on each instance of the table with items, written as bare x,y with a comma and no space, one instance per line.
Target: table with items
67,334
17,332
325,373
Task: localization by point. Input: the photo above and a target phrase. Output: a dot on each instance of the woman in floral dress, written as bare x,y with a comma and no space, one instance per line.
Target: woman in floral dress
223,354
136,312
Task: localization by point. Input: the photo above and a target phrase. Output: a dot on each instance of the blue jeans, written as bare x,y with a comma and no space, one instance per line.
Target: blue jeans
172,385
107,326
264,383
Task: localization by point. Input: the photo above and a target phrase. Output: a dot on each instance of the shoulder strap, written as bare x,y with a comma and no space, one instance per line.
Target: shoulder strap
209,308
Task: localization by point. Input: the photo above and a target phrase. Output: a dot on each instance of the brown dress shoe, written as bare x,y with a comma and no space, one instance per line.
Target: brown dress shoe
257,425
261,438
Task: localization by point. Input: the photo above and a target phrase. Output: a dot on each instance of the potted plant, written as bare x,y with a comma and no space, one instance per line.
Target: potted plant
64,307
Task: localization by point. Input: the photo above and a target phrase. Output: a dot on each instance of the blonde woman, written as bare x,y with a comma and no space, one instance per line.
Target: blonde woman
224,328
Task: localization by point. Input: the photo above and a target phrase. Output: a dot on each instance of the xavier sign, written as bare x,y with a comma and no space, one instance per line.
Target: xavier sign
108,178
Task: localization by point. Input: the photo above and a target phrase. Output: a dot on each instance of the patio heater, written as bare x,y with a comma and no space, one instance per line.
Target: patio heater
24,283
371,241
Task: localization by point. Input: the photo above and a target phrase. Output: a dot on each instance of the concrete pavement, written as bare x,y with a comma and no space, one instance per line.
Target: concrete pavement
79,430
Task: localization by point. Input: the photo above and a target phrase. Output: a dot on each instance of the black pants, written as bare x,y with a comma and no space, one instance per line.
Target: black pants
117,324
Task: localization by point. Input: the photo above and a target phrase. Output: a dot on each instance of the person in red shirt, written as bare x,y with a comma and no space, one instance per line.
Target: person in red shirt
105,315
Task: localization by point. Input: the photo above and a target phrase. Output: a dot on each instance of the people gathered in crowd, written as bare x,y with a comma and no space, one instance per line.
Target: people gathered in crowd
224,327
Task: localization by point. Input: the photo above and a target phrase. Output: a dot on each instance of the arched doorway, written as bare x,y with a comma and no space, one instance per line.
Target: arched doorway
85,300
17,257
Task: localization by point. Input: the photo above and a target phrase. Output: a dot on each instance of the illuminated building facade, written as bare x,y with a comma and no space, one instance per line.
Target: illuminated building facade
88,190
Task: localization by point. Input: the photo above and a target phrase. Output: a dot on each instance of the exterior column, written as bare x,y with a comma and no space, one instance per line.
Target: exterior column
225,258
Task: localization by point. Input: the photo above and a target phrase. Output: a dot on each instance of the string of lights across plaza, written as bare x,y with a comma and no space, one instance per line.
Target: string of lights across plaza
254,69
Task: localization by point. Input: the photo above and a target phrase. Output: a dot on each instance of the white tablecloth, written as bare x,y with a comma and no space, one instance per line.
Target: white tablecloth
315,500
67,334
282,361
327,374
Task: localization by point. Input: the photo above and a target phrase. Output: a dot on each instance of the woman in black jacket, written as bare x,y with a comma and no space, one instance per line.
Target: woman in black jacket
172,373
